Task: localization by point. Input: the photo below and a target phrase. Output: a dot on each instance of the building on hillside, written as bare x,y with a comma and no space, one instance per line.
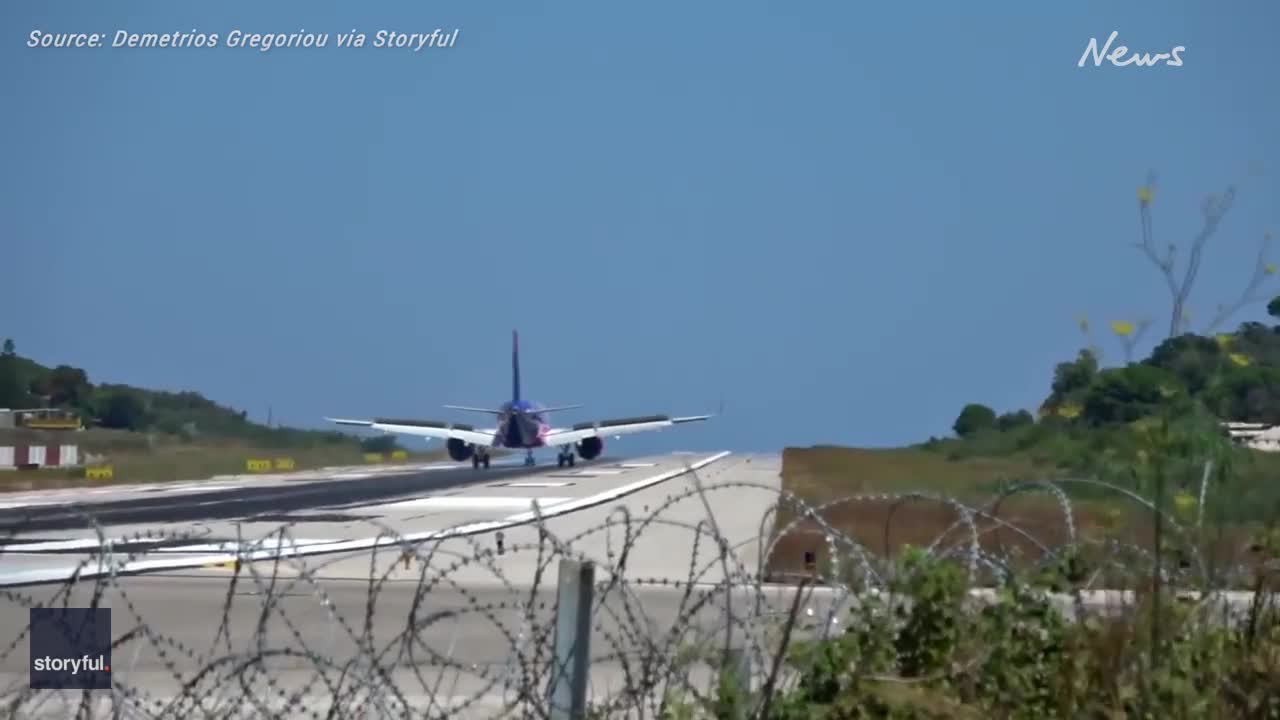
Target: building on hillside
1258,436
47,419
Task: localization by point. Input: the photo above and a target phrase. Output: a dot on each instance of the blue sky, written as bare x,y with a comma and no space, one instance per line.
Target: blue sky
846,219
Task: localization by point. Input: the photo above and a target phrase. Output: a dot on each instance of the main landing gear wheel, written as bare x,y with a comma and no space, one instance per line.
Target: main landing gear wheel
528,459
565,458
477,460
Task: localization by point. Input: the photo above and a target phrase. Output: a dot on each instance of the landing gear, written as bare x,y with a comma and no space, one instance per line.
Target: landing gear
479,460
528,458
565,457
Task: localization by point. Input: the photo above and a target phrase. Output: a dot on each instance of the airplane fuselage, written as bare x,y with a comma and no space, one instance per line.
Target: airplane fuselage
521,426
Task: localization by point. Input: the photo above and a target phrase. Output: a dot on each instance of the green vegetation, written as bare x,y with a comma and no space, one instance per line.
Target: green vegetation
152,435
1156,496
926,649
25,383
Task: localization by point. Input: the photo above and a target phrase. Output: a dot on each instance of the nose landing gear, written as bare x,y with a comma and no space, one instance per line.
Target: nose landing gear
528,458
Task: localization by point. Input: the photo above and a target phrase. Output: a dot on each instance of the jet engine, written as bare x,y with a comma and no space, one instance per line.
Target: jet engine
459,450
590,448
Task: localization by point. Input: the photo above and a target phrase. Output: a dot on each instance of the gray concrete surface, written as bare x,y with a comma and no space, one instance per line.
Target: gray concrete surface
653,537
432,510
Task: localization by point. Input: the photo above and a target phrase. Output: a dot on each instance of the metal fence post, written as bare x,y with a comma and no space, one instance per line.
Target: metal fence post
572,655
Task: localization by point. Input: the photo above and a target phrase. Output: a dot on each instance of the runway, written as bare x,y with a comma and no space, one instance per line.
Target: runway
451,612
344,519
264,500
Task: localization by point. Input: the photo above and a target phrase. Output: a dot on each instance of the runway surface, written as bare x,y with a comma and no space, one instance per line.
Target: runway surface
344,517
265,500
454,603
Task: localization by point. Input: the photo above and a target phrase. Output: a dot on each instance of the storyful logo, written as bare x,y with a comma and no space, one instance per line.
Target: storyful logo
1116,55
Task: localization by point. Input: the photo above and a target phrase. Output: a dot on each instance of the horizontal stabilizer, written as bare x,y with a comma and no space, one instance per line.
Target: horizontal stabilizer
474,409
558,409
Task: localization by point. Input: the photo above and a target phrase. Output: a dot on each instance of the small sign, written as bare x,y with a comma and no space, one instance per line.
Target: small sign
99,473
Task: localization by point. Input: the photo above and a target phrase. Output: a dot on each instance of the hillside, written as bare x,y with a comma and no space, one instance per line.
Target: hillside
1093,416
114,412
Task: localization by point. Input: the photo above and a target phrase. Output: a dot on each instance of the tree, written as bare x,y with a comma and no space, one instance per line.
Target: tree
11,392
122,410
68,386
1014,420
9,350
1068,377
1273,307
1192,358
1122,395
973,418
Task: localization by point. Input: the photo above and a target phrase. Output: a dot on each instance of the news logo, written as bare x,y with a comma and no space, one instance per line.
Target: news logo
70,648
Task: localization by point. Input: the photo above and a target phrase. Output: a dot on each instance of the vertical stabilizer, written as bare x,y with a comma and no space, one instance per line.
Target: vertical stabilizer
515,366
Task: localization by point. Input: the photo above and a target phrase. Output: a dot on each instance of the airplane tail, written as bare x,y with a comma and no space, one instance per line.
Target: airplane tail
515,366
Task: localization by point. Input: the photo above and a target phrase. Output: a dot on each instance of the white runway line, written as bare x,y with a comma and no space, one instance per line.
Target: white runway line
475,502
535,484
597,473
82,544
637,465
194,488
267,544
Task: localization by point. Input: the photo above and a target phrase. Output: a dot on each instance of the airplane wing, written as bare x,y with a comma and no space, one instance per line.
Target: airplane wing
625,426
428,428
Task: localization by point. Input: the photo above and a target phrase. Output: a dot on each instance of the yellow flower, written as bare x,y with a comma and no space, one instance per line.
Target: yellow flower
1122,328
1184,502
1239,358
1144,194
1070,410
1269,268
1224,341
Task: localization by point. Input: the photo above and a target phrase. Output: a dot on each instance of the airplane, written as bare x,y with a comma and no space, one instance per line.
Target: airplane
520,425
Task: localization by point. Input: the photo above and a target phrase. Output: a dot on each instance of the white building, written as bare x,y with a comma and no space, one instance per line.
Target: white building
1259,436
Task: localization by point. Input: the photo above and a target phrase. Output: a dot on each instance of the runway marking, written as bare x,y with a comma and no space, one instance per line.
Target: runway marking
637,465
475,502
194,488
231,546
82,544
534,484
8,506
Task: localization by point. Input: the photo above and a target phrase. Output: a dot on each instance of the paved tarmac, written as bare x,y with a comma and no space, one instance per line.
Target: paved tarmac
650,530
346,515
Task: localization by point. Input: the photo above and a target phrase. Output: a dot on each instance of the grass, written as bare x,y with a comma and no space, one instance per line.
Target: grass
884,522
144,458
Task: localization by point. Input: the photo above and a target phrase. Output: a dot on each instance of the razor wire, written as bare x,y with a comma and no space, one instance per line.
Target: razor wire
445,628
